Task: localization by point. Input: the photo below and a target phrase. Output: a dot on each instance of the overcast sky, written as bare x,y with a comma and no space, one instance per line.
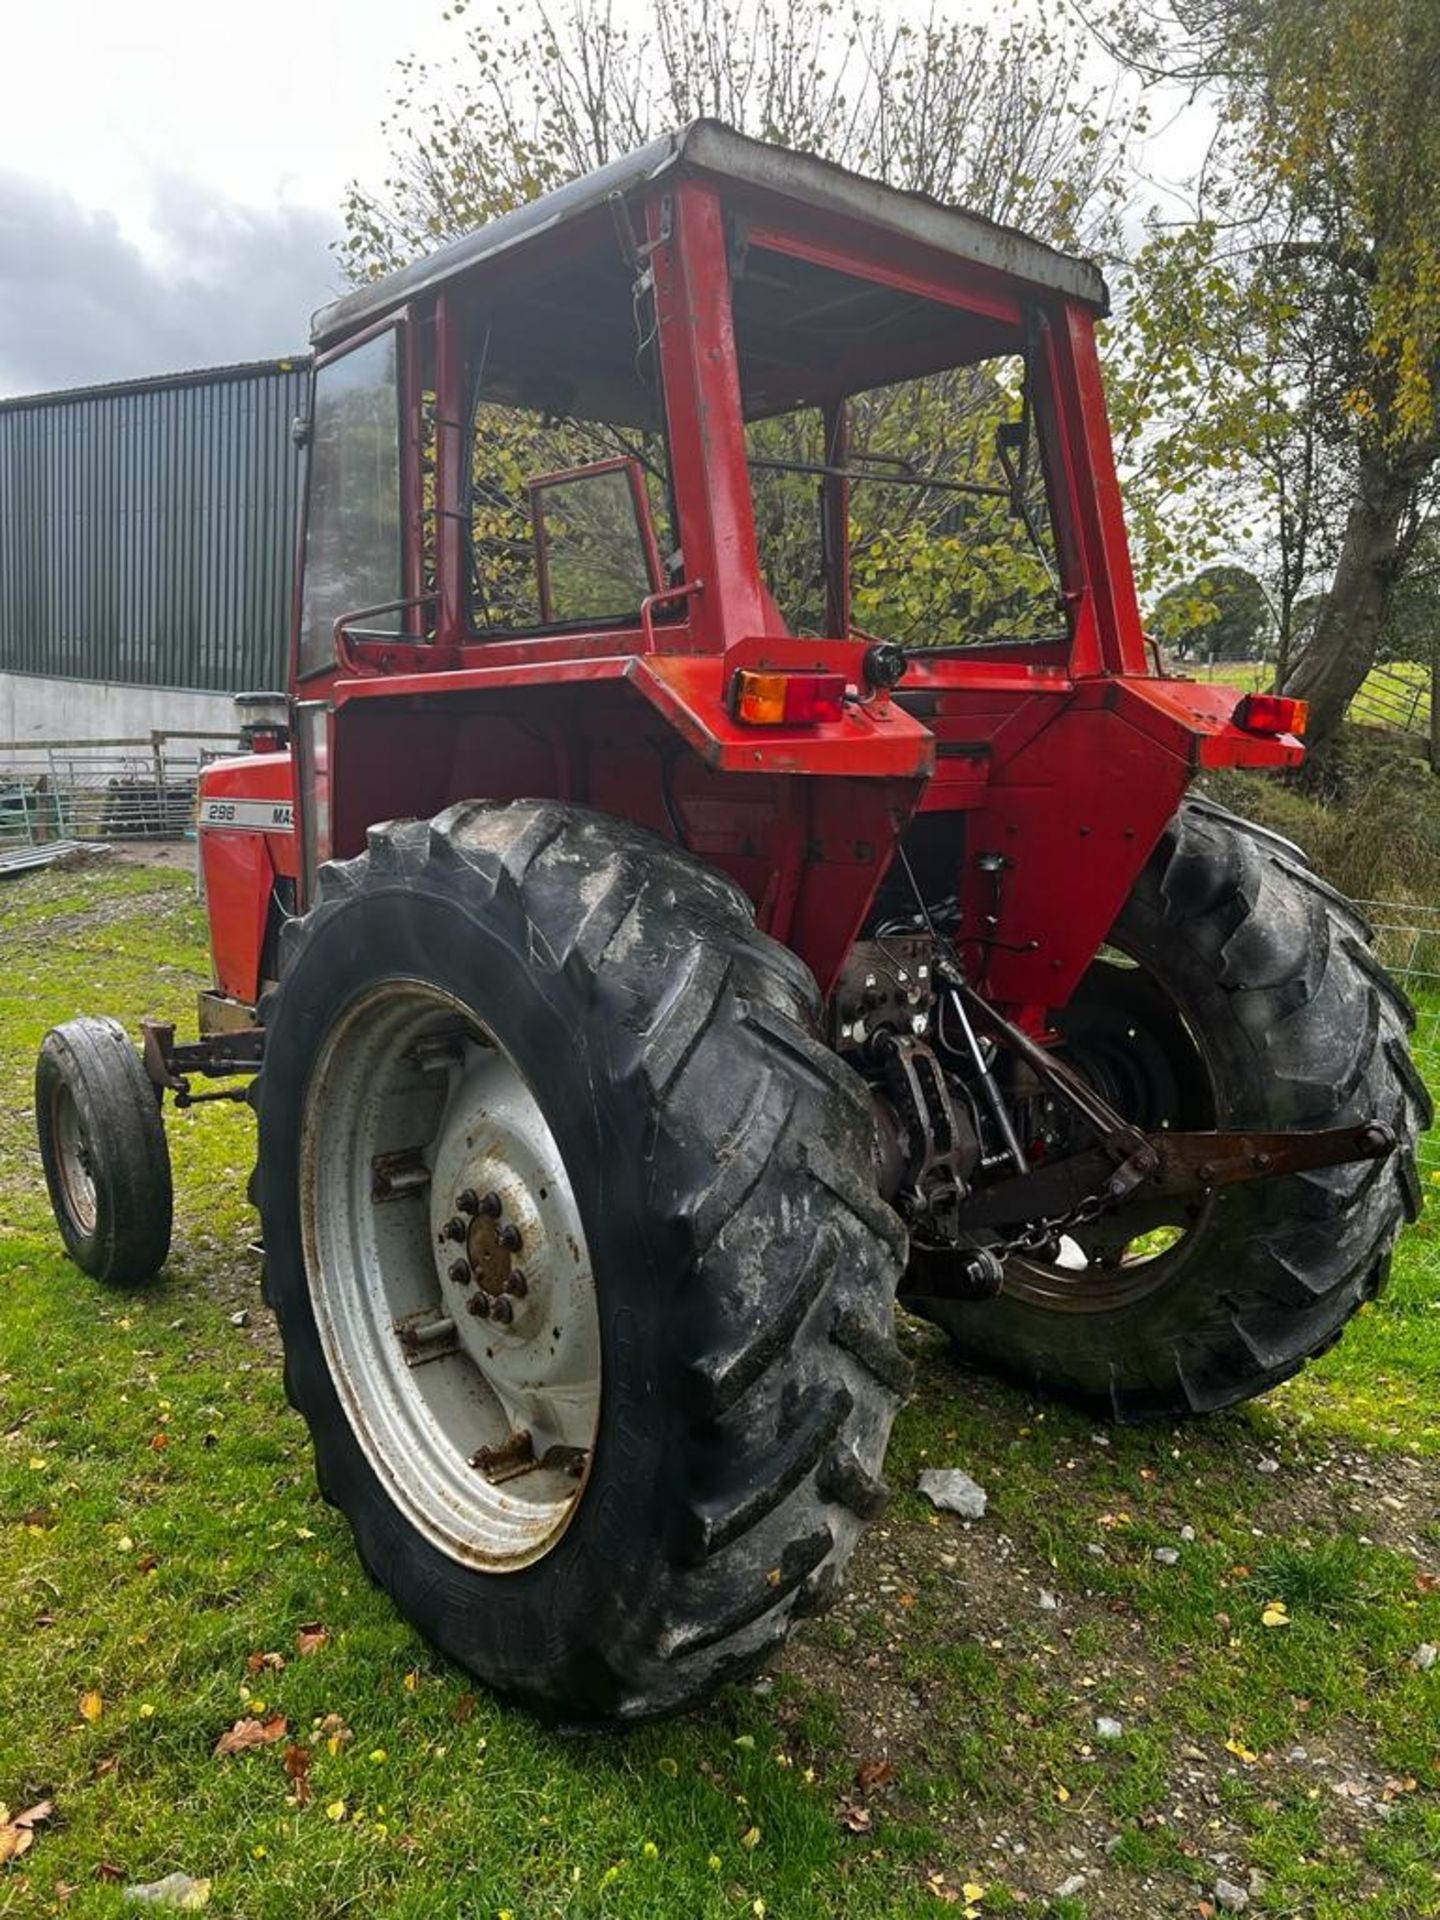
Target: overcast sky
171,173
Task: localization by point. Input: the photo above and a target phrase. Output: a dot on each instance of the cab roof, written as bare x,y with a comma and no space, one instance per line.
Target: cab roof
709,149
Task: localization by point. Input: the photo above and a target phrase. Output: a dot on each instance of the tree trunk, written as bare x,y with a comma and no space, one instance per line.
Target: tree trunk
1332,669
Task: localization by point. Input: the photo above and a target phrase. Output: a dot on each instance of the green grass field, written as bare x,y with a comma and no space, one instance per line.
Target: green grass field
932,1745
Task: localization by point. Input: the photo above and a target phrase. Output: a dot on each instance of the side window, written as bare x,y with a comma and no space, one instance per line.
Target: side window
562,516
352,521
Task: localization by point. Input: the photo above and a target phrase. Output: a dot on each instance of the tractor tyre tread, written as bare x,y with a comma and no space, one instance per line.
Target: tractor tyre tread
755,1178
1304,1030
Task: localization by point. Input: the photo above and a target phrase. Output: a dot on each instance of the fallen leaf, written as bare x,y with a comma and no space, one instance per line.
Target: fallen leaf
857,1819
1276,1614
107,1870
297,1767
1062,1794
312,1638
259,1662
159,1442
14,1841
337,1734
465,1708
750,1838
91,1706
411,1681
873,1773
335,1810
177,1891
1241,1752
249,1733
1427,1582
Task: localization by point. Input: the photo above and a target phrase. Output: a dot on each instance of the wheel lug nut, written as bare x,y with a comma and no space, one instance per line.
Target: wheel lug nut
490,1205
468,1201
516,1284
480,1304
502,1311
455,1229
460,1273
510,1237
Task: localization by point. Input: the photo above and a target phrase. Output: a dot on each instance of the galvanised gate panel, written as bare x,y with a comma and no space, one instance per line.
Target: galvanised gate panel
147,530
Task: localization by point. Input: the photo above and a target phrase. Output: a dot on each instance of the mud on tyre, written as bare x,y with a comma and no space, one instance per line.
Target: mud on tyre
741,1266
1238,990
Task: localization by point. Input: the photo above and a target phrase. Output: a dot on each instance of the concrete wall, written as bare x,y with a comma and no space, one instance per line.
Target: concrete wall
35,708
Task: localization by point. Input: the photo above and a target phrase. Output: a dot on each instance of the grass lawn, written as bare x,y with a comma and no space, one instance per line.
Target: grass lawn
933,1744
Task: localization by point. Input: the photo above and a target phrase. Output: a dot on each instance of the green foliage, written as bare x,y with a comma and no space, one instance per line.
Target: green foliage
1411,630
1000,115
1296,320
1221,614
1371,826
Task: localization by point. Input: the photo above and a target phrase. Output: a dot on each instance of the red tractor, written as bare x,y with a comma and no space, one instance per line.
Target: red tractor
726,862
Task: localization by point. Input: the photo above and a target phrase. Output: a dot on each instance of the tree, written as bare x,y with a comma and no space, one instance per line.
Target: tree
1221,614
1412,620
1000,116
1320,232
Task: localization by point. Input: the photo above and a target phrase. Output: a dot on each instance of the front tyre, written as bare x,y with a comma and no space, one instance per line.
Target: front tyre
103,1148
1238,990
584,1285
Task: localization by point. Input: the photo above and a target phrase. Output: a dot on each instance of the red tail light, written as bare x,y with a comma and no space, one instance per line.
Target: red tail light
1272,713
784,699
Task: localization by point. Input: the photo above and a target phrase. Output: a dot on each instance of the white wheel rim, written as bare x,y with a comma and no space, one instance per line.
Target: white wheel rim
450,1276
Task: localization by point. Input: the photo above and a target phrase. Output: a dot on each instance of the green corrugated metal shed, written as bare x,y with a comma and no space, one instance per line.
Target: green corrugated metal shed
147,529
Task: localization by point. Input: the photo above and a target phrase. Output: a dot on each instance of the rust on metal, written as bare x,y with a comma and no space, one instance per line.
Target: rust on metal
507,1461
489,1249
395,1176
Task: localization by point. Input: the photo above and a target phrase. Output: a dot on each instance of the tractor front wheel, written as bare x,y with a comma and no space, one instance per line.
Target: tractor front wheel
103,1148
1238,990
584,1285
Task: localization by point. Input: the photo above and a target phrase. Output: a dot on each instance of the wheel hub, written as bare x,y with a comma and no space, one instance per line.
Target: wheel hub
508,1253
450,1275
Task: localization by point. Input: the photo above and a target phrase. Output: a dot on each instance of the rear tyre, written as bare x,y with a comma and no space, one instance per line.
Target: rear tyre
103,1147
533,1037
1238,990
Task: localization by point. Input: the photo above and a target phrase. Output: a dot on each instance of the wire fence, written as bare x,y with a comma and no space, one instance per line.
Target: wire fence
1407,939
132,789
